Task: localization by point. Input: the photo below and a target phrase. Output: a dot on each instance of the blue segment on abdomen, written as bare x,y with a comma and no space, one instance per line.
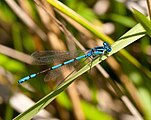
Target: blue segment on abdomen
32,75
26,78
89,54
80,57
54,67
69,61
23,79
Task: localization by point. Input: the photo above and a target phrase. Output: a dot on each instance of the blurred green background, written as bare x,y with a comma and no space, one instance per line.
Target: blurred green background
27,26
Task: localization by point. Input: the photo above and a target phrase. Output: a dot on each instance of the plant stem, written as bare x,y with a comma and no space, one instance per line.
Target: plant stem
149,7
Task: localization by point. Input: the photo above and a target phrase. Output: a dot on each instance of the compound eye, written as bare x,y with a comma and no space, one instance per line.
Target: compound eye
105,43
109,49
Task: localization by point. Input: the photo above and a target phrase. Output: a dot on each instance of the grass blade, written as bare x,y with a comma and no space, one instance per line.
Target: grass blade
132,35
138,32
143,20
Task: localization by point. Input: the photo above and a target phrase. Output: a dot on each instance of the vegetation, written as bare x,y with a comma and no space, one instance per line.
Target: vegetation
116,86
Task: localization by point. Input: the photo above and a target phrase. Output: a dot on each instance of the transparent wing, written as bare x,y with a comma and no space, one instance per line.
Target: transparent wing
57,73
49,57
53,75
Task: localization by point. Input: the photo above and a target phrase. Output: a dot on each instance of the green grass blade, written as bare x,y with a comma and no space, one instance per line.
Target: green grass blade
123,20
143,20
132,35
72,14
139,30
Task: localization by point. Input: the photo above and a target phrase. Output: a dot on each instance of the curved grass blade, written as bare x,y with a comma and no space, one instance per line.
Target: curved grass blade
72,14
143,20
134,34
140,32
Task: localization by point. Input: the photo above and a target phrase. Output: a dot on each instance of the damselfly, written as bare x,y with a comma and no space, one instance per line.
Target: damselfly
45,57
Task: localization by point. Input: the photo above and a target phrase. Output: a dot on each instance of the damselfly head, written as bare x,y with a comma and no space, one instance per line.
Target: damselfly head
107,47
